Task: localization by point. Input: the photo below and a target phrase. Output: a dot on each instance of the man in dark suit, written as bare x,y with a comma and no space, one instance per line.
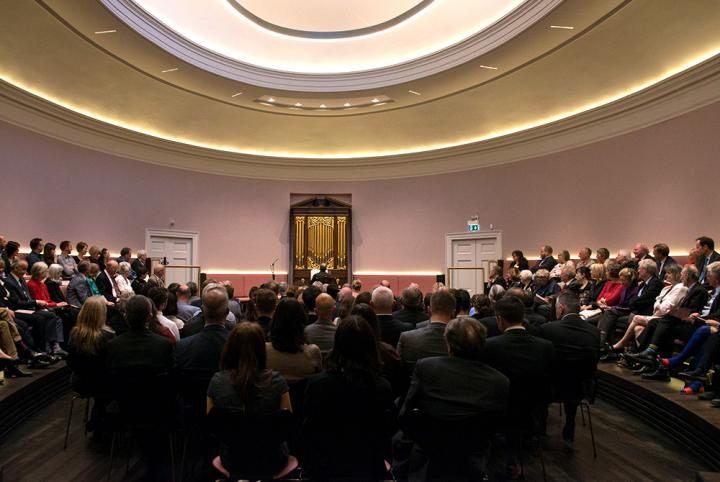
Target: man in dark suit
661,252
36,248
322,332
382,302
322,275
706,247
547,261
106,283
78,289
308,297
527,361
412,307
495,278
47,327
202,351
577,349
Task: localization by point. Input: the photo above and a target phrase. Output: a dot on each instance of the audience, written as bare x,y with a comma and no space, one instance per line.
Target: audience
382,301
265,303
322,331
412,310
123,279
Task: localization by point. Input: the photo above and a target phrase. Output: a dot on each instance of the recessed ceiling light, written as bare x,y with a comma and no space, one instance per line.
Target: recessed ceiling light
381,103
488,67
169,70
265,103
375,100
414,92
347,104
235,95
271,99
298,104
564,27
323,106
102,32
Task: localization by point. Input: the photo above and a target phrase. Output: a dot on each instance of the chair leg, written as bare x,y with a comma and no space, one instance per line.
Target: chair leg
582,415
592,433
542,460
69,420
186,439
87,413
112,454
172,457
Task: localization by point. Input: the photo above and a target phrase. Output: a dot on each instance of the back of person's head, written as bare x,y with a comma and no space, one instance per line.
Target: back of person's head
12,248
245,356
215,305
35,243
355,349
364,297
324,306
368,314
465,337
443,304
411,298
171,306
272,286
356,285
519,293
287,329
510,309
462,300
183,292
569,301
83,267
265,301
382,300
158,296
138,311
308,297
193,288
85,335
333,290
481,303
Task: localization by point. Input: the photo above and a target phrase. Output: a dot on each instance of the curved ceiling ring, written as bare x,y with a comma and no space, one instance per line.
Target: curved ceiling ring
329,35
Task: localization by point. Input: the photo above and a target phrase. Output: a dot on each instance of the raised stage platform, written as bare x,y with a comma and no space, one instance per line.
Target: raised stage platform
691,422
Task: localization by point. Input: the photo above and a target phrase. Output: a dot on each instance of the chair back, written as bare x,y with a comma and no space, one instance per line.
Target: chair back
147,399
192,388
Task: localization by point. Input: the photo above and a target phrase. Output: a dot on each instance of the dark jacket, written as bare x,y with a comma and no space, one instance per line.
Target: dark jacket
410,315
105,286
644,300
390,329
202,351
140,349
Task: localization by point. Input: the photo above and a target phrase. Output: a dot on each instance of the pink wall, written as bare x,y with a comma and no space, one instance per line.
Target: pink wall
653,185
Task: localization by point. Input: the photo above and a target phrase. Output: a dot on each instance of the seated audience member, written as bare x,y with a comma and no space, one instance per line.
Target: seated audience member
322,332
462,302
428,341
527,361
705,248
661,253
599,277
356,287
49,256
140,260
122,278
193,292
547,261
246,384
382,302
170,311
138,347
125,255
519,260
602,256
495,277
162,325
577,347
38,288
513,276
608,320
585,285
457,387
482,306
138,284
288,352
564,261
585,258
12,348
10,254
47,326
67,262
612,289
533,320
105,281
526,281
79,289
86,355
158,274
265,303
94,255
641,252
53,282
412,307
670,329
624,260
545,288
364,297
344,308
308,297
354,403
82,250
186,311
669,298
233,304
36,252
567,280
202,351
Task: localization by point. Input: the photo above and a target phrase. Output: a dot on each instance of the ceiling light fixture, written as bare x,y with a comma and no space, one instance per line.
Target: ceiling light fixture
169,70
323,106
563,27
102,32
235,95
381,103
298,104
414,92
271,99
347,104
375,100
488,67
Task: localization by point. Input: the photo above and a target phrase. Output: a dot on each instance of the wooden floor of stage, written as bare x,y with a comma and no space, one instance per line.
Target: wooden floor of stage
628,450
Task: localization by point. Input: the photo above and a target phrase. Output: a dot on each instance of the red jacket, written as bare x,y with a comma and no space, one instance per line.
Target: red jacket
39,291
611,292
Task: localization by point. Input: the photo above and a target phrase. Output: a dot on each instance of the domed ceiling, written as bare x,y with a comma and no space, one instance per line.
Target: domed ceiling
358,89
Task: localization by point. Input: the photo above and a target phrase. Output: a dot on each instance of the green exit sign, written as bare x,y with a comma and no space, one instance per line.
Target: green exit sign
473,227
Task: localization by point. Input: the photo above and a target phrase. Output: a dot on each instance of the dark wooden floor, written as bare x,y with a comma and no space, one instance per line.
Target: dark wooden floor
628,450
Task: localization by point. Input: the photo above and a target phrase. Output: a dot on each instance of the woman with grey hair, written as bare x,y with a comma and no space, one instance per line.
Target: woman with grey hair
564,261
53,283
122,278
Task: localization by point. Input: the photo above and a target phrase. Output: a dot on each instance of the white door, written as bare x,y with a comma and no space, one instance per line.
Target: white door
472,251
176,251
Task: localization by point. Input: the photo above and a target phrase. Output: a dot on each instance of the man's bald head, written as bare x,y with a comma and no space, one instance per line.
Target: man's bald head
345,292
215,304
324,306
111,267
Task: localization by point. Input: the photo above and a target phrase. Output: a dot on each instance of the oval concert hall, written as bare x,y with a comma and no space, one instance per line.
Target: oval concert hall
359,240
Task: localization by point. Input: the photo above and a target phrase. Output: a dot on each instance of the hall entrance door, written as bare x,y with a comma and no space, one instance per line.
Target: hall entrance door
177,250
469,257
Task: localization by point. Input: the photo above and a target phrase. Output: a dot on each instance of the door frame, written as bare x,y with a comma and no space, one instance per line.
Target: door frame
477,235
174,233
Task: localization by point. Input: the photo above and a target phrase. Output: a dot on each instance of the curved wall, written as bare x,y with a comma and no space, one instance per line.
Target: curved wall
653,185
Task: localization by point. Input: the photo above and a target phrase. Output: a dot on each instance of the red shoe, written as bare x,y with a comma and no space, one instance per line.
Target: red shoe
665,362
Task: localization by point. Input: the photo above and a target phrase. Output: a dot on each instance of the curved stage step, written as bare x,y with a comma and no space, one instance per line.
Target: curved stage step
21,397
693,423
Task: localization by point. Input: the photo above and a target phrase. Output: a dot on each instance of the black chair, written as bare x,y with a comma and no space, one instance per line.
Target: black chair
252,443
192,388
448,451
81,396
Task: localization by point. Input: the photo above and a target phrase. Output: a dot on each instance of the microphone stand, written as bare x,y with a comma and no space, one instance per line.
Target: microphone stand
272,268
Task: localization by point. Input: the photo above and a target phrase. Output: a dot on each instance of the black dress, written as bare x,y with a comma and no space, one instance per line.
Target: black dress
54,291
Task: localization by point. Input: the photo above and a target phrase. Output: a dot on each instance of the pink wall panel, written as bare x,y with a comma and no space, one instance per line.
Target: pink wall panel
650,185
